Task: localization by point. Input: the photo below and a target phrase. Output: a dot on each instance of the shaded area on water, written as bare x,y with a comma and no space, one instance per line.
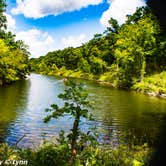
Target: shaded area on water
12,102
118,114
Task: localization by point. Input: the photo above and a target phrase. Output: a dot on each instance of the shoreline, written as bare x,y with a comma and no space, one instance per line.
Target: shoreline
162,95
152,94
98,81
109,84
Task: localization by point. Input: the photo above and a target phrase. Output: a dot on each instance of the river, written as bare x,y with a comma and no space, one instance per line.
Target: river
119,115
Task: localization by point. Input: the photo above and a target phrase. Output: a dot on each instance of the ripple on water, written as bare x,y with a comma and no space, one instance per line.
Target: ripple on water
24,107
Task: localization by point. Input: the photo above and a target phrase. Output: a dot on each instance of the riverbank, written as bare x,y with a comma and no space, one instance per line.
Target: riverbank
52,154
154,85
26,77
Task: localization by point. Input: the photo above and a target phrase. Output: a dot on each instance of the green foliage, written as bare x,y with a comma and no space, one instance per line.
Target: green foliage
98,66
76,101
122,55
76,105
2,17
52,154
13,64
136,40
7,153
155,83
48,154
13,54
114,26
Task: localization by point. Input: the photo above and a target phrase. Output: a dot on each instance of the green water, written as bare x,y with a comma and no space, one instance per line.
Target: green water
132,116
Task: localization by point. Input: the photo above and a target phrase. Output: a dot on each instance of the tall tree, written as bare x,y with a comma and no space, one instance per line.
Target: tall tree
136,40
2,16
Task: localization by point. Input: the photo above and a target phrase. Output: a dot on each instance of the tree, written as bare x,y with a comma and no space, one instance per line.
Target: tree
136,40
129,51
114,26
76,105
13,64
2,16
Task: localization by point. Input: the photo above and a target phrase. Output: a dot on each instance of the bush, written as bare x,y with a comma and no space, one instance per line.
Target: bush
51,154
155,83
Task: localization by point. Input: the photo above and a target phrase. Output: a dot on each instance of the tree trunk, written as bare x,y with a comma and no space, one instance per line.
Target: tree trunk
143,70
75,135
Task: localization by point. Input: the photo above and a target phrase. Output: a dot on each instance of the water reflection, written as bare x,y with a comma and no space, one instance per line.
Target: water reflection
128,115
118,114
12,102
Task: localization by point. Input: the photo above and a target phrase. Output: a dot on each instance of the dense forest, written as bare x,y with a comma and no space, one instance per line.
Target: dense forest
131,55
13,54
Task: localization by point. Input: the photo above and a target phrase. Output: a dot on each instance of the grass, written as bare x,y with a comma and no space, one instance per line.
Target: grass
152,84
70,73
50,154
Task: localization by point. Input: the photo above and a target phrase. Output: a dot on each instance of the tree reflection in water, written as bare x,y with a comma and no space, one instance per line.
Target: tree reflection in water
12,101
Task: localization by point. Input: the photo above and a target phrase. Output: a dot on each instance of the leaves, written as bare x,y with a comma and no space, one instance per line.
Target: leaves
76,105
13,64
3,19
13,54
76,100
136,48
